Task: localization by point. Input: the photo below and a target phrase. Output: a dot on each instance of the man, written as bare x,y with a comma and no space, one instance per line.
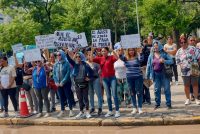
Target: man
171,49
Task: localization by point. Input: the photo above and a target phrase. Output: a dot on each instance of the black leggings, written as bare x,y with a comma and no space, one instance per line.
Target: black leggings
82,95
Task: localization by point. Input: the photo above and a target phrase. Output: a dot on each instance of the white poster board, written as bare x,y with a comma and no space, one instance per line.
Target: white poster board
130,41
45,41
17,48
82,40
32,55
11,61
66,39
101,38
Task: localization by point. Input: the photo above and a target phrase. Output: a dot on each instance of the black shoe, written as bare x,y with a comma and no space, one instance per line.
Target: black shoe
156,107
149,103
169,107
53,110
99,111
92,111
192,98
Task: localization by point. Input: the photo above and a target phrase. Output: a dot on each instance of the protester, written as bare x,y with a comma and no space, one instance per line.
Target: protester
40,86
61,75
108,77
185,57
171,49
1,97
155,71
82,74
8,85
120,72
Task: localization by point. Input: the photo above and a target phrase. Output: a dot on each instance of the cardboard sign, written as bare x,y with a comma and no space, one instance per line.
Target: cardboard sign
45,41
66,39
82,41
131,41
101,38
17,48
32,55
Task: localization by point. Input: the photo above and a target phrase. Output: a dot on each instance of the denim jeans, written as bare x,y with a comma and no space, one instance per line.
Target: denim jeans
110,85
136,88
64,94
95,86
52,96
161,81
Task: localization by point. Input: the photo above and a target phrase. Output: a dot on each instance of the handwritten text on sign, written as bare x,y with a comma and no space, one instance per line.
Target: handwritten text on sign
45,41
101,38
131,41
17,48
82,41
66,39
32,55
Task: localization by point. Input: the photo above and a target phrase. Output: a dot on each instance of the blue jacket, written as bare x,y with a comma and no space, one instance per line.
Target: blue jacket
168,61
62,70
39,80
75,71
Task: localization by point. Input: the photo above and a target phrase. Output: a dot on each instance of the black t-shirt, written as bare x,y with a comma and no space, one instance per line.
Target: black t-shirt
19,78
146,52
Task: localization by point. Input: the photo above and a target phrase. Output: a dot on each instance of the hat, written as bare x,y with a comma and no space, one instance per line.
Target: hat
117,46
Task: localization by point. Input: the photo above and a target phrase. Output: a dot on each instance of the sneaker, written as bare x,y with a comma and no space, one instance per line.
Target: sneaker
47,115
61,114
187,102
169,107
176,83
156,107
140,110
80,115
35,112
53,110
134,111
39,115
17,114
99,111
92,111
4,115
71,113
109,114
117,114
88,115
197,101
192,98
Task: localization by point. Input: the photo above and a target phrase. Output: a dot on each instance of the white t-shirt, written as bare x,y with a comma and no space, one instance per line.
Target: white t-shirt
5,76
120,69
171,48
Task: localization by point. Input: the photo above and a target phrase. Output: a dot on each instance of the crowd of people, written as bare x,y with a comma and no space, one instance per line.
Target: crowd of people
124,74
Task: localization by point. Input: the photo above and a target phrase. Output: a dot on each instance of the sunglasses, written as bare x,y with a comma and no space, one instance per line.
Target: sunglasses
58,54
78,56
38,61
192,40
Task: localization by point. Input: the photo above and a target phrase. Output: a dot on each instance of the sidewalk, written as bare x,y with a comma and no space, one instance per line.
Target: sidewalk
178,115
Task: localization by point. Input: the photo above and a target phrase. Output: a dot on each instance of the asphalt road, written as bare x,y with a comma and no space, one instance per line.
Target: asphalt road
186,129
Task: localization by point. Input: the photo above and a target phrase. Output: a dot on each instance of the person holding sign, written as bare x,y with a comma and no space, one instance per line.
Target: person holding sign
8,85
108,76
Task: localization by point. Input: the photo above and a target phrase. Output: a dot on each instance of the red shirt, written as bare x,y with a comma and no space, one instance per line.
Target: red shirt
107,65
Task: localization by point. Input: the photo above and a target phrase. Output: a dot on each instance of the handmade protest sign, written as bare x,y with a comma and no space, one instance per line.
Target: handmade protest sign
32,55
101,38
131,41
17,48
66,39
11,61
82,41
45,41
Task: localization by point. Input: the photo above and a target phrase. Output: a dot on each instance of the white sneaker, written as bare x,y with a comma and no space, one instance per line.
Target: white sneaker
197,101
17,114
47,115
117,114
4,115
88,115
140,110
35,112
80,115
187,102
134,111
61,114
39,115
176,83
71,113
109,114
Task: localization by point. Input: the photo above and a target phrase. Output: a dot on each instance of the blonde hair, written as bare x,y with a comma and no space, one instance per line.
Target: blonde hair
128,55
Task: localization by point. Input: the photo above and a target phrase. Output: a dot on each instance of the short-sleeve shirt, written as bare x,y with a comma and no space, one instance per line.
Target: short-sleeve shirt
8,72
170,48
120,69
107,65
185,58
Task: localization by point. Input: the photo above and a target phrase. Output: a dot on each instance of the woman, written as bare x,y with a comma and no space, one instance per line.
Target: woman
108,77
8,86
82,74
185,57
61,76
155,71
95,85
134,76
40,86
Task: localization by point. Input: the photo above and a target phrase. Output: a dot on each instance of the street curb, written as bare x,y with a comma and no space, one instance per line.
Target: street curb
158,121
